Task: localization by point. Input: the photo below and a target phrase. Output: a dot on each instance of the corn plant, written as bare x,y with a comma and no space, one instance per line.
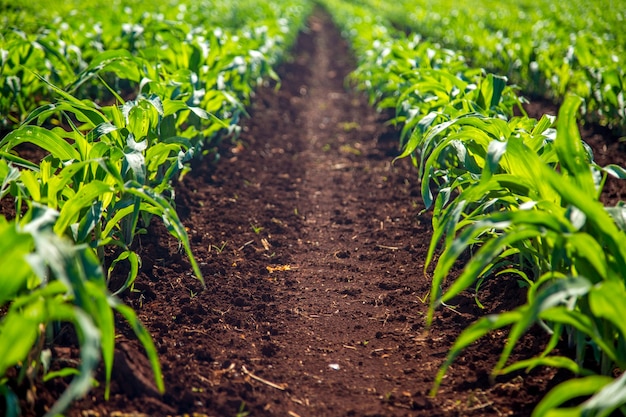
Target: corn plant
47,279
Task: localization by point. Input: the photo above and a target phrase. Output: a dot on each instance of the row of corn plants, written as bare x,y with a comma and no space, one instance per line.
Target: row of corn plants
548,49
120,99
520,196
193,47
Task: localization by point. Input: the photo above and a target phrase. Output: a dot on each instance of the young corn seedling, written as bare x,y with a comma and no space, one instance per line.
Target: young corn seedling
48,280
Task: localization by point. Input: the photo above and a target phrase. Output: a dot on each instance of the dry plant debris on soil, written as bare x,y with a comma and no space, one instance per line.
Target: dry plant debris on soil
312,246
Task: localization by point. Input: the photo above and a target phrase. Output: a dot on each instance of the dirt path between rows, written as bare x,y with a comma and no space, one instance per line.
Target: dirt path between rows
312,245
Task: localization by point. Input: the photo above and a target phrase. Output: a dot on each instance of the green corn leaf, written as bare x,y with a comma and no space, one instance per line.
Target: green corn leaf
20,327
68,178
487,253
543,124
569,146
611,397
77,273
589,257
51,49
521,162
61,373
83,107
203,114
30,180
144,337
84,198
114,93
113,171
134,166
89,272
583,323
494,127
424,143
495,151
22,330
82,231
14,247
561,362
561,291
491,90
100,130
134,262
618,214
120,61
15,160
600,223
523,275
84,112
566,391
475,331
615,171
45,139
446,225
102,315
128,224
607,301
141,115
100,150
119,213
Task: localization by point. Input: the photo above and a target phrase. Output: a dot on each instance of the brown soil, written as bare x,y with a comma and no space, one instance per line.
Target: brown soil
312,246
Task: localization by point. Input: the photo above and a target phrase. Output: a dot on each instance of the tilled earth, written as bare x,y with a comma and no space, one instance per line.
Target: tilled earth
312,244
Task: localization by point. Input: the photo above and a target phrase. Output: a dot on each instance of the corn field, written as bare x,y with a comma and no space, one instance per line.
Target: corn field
119,101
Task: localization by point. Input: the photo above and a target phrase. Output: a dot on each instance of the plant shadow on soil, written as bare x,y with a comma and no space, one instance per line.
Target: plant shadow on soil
312,246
